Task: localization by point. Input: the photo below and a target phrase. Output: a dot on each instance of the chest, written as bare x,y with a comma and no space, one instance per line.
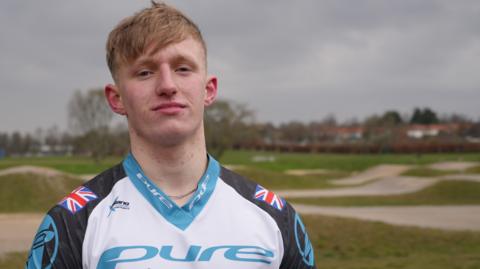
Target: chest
125,231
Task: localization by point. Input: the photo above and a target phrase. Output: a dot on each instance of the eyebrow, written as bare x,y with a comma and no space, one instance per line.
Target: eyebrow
177,59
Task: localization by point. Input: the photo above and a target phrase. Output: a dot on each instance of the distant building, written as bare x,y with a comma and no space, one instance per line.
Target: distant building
56,150
349,133
339,133
418,131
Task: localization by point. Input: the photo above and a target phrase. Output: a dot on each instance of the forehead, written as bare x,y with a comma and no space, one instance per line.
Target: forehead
188,48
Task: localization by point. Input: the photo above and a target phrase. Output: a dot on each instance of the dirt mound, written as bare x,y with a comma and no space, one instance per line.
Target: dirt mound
376,172
25,169
17,231
384,186
448,166
305,172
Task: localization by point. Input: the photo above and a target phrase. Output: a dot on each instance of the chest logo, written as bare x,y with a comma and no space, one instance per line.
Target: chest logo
126,254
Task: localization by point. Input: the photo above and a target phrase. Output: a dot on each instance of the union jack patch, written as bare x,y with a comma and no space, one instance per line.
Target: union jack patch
77,199
269,197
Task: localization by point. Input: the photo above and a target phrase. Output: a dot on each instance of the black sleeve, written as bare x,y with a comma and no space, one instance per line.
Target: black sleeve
58,242
59,239
298,250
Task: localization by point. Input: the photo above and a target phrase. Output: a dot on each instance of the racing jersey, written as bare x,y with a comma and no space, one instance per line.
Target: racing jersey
121,219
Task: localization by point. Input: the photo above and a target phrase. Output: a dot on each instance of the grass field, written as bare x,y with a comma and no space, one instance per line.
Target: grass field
338,162
341,243
338,242
270,174
278,180
474,170
351,244
73,165
33,193
283,161
442,193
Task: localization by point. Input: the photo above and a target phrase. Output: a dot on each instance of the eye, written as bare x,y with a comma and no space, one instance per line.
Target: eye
144,73
183,69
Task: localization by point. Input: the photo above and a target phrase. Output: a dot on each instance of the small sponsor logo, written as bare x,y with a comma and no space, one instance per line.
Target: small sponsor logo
118,204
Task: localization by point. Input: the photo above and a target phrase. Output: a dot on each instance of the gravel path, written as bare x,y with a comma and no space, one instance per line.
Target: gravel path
468,177
376,172
441,217
17,231
385,186
459,166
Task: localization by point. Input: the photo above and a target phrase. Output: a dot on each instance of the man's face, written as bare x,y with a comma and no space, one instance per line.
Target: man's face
163,93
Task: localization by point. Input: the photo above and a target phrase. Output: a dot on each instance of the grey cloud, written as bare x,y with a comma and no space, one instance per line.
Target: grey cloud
287,60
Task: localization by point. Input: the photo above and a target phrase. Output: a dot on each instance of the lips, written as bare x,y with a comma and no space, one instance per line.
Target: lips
169,108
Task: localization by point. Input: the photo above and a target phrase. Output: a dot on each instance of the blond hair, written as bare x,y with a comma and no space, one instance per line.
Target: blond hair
159,24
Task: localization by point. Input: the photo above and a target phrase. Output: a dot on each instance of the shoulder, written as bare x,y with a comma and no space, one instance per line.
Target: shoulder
84,198
298,251
59,239
275,206
263,198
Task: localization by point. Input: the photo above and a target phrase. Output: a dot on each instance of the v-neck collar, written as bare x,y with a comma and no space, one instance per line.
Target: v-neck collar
183,216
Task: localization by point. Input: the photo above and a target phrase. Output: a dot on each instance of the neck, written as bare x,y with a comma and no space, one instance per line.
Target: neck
176,169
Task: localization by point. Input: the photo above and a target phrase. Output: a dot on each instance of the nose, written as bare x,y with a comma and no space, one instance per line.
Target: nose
165,83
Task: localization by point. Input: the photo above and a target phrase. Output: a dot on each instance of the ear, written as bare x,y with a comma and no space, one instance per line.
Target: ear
114,99
210,90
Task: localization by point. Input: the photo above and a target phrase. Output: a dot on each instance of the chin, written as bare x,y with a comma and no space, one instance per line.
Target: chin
172,136
168,134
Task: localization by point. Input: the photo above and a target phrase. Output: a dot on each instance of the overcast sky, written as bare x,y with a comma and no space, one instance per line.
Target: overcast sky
288,60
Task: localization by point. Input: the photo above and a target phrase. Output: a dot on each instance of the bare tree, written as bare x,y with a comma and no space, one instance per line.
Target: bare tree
88,111
228,124
89,118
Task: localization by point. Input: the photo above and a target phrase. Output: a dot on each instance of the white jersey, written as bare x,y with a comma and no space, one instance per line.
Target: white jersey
121,219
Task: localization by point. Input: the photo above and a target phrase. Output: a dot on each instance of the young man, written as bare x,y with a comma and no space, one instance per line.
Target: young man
168,204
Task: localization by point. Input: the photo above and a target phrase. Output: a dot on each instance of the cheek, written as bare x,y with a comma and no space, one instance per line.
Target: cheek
134,105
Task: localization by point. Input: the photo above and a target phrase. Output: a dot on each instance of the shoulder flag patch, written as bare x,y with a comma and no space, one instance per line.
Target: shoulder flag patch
77,199
269,197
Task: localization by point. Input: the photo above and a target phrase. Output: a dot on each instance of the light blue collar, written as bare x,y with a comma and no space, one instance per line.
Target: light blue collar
183,216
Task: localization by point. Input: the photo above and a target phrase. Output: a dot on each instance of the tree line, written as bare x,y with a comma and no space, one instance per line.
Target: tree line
92,131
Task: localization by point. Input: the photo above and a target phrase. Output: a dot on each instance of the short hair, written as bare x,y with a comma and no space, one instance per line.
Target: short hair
159,24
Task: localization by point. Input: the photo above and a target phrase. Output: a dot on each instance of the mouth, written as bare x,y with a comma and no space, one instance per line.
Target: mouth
169,108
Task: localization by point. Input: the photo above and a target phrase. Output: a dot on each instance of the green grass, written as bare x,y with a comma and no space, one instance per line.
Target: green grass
342,243
279,180
473,170
338,162
338,242
427,172
73,165
283,161
33,193
442,193
13,260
